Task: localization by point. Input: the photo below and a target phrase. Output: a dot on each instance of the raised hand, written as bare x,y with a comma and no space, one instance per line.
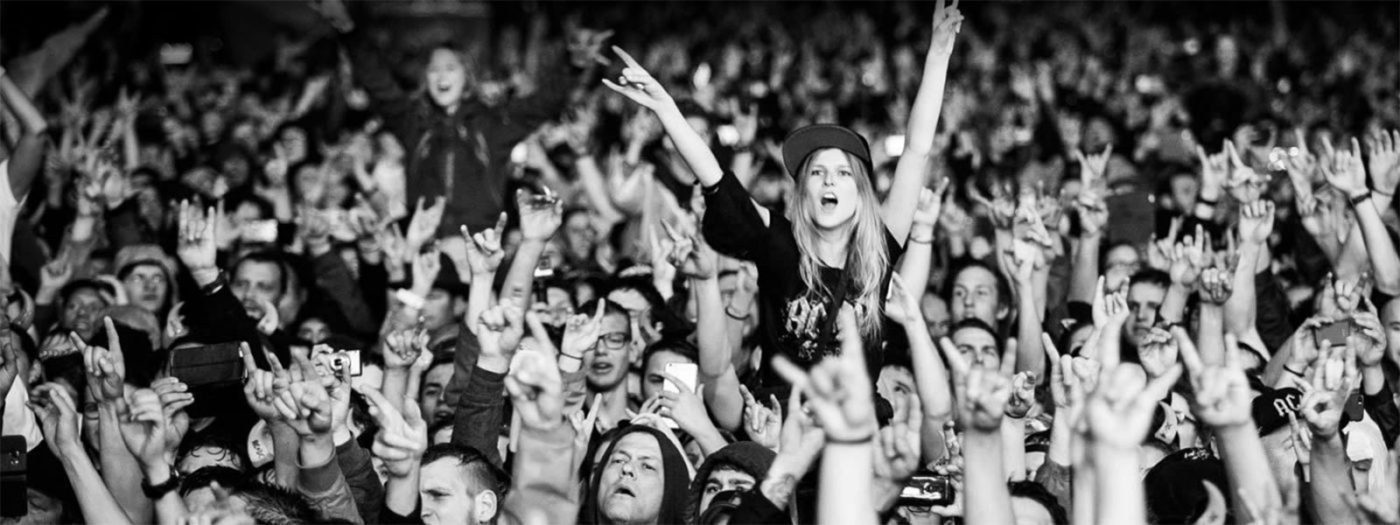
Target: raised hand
174,398
1345,171
635,83
1215,169
1022,395
1093,169
1384,161
9,365
685,406
982,393
1256,221
499,331
262,388
197,245
1222,395
763,423
424,224
838,388
1119,412
586,47
536,390
144,427
947,22
1216,285
484,252
58,418
402,348
581,332
106,367
1246,185
540,215
1157,352
902,306
1159,250
1324,399
1188,259
305,404
427,264
1368,339
402,438
927,213
691,254
898,457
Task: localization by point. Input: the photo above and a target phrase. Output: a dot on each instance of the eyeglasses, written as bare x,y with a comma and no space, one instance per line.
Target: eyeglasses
615,340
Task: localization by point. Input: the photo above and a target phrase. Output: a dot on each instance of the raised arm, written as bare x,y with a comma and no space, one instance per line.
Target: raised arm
638,85
1256,223
27,155
910,172
58,417
1222,401
1347,173
699,263
839,394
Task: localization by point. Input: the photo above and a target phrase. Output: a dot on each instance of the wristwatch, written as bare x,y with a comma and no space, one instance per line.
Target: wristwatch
159,491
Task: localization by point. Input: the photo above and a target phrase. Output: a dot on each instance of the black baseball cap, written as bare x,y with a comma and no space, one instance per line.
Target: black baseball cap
808,139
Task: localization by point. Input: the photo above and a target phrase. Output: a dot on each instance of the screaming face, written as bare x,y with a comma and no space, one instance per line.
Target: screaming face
829,182
446,77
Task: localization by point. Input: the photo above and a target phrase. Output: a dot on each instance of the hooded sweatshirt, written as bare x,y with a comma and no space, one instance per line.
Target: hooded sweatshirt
747,456
675,475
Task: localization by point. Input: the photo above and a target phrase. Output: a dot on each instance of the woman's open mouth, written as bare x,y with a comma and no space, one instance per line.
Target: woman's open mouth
829,201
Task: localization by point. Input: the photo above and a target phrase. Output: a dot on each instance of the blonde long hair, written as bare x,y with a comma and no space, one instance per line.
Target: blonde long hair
867,254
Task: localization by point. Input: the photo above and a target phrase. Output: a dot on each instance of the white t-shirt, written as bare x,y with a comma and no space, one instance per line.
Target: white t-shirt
9,210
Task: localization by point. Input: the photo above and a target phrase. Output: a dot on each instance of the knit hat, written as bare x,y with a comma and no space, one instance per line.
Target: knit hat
747,456
133,255
806,140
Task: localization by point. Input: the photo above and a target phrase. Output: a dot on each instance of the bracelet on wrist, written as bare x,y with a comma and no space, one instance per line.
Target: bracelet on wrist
921,240
857,441
1360,198
729,311
1292,371
1383,194
1207,202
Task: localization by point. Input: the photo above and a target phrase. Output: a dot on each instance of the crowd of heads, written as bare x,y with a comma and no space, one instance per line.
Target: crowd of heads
1161,285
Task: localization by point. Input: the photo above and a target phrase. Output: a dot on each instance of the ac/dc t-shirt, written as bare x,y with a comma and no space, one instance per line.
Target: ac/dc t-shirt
793,320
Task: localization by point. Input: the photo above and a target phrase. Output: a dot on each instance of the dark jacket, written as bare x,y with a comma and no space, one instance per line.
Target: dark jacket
462,156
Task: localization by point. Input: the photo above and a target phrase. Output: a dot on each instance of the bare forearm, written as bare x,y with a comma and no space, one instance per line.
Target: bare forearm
984,480
691,146
95,501
846,472
1013,448
1211,338
521,275
930,374
31,121
1240,309
1247,467
722,396
395,386
1385,261
401,493
479,296
1084,276
596,187
120,470
1118,487
1030,356
1331,480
